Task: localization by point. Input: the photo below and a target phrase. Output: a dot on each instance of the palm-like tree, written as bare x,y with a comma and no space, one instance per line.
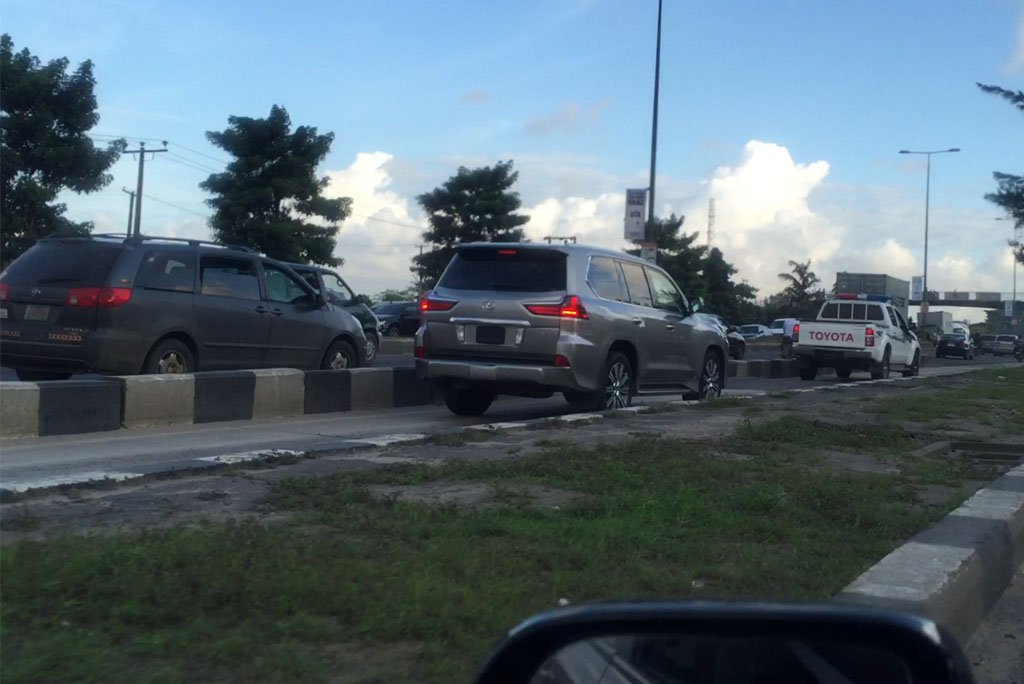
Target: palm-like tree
800,284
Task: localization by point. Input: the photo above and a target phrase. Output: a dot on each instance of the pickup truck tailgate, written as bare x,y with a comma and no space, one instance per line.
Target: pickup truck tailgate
837,335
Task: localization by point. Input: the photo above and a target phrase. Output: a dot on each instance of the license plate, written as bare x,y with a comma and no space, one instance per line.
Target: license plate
36,312
490,334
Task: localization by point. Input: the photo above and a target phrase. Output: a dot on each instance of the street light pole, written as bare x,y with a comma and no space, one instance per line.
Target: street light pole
654,129
927,200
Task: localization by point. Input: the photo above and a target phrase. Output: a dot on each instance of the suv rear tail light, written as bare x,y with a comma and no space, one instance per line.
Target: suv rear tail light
5,292
428,304
571,307
869,337
104,298
796,332
420,352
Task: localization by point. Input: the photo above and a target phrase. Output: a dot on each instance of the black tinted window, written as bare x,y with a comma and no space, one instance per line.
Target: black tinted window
874,313
830,310
391,309
506,270
606,279
168,270
74,263
227,277
636,281
666,296
282,287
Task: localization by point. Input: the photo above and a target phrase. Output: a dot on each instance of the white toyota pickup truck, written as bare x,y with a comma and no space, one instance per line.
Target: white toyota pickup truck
857,332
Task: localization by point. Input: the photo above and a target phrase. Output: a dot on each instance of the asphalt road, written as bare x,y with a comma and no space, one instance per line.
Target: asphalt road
32,461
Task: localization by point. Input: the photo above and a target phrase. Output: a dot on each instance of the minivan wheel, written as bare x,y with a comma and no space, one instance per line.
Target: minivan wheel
372,345
468,401
710,377
169,357
340,356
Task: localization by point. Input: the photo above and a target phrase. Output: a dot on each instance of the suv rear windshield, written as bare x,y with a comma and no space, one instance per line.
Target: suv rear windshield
506,269
64,262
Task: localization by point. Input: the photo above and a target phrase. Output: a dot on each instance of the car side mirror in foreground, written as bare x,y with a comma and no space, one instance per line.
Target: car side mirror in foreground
725,643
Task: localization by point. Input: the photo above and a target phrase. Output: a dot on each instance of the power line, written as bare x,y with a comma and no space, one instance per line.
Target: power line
189,149
176,206
189,164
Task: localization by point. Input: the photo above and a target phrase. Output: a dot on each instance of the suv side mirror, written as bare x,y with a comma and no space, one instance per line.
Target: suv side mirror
697,304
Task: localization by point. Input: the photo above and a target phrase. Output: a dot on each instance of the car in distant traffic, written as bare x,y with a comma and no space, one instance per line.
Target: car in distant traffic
778,326
398,319
596,325
954,344
988,343
754,332
116,305
1004,344
737,343
338,293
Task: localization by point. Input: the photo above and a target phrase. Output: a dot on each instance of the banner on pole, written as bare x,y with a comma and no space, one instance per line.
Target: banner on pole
636,202
917,288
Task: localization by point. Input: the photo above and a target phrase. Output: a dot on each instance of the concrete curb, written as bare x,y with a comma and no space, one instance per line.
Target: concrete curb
955,571
19,409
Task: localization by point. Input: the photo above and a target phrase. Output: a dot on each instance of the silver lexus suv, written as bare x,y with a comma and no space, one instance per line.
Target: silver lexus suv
530,320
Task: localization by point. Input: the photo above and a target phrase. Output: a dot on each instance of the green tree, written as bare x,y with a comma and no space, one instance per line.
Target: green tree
270,197
723,296
407,295
45,116
676,252
474,205
801,284
1009,194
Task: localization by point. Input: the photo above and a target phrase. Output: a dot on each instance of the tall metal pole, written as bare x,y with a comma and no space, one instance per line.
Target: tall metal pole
131,207
927,198
654,126
138,190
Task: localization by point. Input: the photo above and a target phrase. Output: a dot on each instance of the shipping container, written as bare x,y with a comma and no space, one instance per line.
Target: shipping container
876,283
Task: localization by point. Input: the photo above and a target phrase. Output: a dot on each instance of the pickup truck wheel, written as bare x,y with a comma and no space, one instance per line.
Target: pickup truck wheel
843,372
881,370
711,377
915,366
468,401
808,371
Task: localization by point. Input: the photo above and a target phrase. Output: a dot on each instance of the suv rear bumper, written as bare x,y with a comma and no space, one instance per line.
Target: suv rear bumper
503,378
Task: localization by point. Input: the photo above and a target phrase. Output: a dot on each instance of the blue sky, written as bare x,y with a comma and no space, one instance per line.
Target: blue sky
789,113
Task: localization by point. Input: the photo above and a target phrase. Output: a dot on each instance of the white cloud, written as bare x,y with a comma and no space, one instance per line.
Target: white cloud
379,239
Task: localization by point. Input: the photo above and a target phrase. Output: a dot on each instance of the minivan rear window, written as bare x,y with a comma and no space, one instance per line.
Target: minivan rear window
64,262
506,269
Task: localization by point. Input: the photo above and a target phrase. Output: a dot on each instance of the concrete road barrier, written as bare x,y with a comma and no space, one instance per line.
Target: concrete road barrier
81,406
19,409
152,400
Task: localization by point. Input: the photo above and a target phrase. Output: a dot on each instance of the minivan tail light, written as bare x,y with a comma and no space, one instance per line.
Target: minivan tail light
5,292
112,297
82,297
570,307
104,298
869,337
428,304
561,361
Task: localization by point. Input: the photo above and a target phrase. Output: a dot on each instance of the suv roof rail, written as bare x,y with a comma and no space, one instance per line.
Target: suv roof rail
194,242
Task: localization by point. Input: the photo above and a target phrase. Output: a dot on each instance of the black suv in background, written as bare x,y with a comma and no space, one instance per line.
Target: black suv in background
398,319
110,304
338,293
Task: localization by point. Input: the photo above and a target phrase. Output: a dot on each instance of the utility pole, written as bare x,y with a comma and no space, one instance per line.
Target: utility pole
419,273
654,123
131,207
138,190
711,223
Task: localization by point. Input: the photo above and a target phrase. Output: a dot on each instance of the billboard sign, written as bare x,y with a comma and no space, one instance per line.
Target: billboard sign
916,288
636,202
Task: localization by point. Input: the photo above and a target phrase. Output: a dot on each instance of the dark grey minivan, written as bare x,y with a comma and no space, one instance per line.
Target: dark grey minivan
116,305
530,320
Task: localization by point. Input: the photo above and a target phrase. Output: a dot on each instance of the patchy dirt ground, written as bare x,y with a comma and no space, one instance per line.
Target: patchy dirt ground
240,492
